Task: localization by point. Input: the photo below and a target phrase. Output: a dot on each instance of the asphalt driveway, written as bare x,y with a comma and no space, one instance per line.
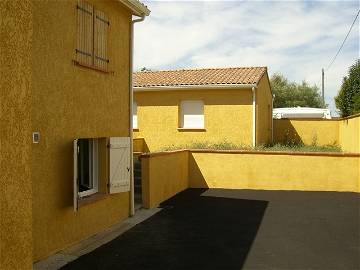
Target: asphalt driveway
239,229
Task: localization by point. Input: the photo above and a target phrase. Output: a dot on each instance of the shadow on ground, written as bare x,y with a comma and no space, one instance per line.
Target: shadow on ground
240,229
191,232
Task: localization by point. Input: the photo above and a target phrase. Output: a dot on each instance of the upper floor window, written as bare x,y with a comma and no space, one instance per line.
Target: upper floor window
92,37
192,114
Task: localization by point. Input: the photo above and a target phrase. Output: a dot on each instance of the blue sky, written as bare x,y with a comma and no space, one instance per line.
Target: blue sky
295,38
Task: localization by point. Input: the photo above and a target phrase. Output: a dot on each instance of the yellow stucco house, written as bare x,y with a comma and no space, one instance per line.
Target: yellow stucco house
182,107
65,123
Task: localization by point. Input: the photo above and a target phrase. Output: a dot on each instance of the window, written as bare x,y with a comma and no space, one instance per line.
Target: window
192,114
135,118
92,37
87,166
101,166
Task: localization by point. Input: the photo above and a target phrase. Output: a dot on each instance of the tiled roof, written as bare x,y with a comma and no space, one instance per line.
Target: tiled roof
199,77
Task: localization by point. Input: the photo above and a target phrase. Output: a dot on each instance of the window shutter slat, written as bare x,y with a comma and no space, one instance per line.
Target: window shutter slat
119,164
84,50
101,24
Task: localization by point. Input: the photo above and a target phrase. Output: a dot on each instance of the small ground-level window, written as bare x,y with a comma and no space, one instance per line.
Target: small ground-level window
87,166
192,114
135,118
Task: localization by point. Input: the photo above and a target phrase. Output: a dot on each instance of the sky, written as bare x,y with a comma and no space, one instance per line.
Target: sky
295,38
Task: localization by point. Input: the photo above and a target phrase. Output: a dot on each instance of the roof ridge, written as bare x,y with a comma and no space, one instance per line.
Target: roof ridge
200,69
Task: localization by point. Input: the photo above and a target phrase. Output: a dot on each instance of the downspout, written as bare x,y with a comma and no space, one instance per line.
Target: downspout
254,116
132,185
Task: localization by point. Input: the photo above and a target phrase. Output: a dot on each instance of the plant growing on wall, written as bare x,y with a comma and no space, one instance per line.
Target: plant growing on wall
348,98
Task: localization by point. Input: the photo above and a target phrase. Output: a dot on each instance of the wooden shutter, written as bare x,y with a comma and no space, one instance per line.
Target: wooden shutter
119,164
75,175
101,28
85,33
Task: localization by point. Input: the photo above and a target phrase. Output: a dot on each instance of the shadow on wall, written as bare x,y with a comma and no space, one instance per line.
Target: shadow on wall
191,232
197,178
285,133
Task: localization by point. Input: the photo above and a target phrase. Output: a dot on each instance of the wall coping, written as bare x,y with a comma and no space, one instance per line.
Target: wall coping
253,152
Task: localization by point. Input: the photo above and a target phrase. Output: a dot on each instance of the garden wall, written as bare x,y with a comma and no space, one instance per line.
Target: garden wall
344,132
167,173
163,175
349,134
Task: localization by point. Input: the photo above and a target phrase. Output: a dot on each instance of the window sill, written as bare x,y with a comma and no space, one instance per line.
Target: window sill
192,129
76,63
91,199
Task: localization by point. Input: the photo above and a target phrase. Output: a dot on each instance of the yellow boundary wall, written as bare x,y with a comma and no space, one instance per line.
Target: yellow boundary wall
167,173
344,132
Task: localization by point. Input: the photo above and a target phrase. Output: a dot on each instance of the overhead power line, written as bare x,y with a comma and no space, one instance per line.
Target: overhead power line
333,60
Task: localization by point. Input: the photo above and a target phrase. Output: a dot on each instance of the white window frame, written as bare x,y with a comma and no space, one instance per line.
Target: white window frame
94,169
183,125
135,116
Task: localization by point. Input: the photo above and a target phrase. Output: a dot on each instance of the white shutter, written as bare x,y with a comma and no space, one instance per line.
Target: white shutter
192,114
119,164
75,175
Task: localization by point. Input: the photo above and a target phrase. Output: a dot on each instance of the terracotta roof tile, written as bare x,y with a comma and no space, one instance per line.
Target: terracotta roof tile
195,77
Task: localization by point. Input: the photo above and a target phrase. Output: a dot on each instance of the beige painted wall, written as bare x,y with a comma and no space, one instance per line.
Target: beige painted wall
228,116
71,102
15,135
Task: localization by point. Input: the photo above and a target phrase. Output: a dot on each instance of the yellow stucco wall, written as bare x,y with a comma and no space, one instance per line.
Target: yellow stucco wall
139,145
15,135
263,111
166,173
343,132
274,172
228,117
308,131
71,102
349,134
163,176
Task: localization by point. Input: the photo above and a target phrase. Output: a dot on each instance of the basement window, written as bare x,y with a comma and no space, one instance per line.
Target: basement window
87,166
192,114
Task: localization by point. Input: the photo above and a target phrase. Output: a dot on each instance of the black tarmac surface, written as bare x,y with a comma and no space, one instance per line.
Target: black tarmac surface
239,229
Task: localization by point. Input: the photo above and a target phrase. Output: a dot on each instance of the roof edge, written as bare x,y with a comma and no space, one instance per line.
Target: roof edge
193,87
137,7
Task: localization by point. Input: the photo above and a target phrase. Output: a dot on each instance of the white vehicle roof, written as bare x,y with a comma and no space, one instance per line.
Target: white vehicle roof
301,112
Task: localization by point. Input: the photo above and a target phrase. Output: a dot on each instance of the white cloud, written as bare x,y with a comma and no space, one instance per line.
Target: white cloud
291,37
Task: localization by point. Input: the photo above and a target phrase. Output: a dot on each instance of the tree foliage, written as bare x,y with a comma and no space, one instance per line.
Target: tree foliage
348,98
292,94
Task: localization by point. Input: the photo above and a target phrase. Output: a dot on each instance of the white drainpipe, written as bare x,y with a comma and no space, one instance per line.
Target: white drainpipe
132,185
254,116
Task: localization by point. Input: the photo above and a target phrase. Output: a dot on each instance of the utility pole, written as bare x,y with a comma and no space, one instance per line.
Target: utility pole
322,85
